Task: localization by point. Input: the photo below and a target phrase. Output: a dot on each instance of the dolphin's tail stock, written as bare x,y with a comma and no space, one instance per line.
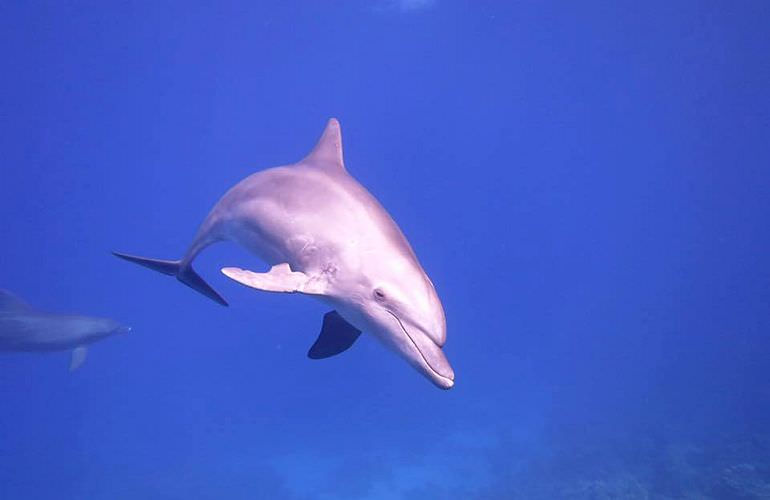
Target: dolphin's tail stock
184,273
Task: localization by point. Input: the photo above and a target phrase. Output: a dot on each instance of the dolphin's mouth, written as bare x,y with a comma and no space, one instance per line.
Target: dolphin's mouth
441,380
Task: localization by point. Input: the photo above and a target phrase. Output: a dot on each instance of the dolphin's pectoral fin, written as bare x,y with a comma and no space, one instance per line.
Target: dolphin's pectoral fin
280,278
336,336
78,357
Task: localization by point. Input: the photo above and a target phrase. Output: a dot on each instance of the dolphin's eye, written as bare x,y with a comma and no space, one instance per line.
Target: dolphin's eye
379,294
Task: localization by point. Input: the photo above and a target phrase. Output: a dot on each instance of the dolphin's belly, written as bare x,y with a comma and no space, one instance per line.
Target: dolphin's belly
304,220
302,248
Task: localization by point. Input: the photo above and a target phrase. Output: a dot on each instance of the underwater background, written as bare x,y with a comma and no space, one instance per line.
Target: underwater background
586,183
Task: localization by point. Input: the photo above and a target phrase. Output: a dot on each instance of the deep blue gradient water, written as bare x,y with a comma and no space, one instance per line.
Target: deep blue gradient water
586,183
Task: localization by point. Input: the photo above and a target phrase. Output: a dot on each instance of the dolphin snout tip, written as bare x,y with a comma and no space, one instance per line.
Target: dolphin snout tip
443,376
445,382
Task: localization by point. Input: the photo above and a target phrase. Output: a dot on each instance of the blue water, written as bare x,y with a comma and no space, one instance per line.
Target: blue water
586,183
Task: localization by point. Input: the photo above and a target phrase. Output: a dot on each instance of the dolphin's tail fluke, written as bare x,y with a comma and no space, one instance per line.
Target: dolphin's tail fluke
186,274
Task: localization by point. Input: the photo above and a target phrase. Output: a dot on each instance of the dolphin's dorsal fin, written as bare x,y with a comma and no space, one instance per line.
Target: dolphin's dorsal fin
327,153
10,302
337,335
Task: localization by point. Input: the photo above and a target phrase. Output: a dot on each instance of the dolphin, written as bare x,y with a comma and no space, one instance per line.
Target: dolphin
25,329
325,235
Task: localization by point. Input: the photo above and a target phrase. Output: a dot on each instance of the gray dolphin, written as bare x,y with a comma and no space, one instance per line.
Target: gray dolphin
325,235
23,328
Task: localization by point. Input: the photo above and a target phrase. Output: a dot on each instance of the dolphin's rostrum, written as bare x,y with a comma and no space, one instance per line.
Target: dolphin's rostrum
325,235
26,329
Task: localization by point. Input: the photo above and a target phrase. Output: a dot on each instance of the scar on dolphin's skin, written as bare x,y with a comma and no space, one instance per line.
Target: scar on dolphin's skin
323,234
